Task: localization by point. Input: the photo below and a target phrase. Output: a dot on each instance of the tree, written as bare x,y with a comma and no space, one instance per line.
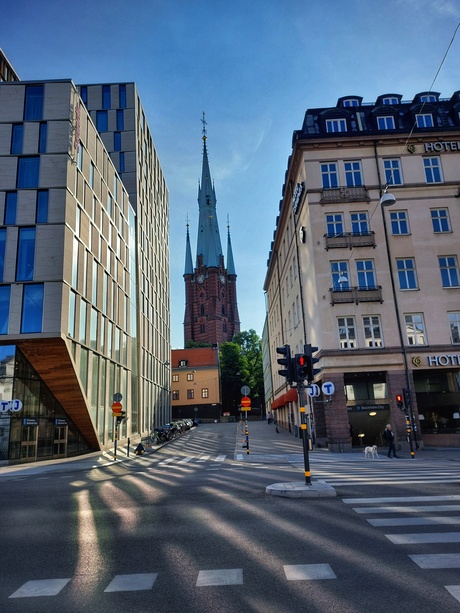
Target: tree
231,369
251,347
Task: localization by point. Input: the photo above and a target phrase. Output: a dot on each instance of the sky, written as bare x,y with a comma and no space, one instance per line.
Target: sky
254,67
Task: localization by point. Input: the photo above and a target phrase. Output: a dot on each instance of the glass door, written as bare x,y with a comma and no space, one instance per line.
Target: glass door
60,442
29,443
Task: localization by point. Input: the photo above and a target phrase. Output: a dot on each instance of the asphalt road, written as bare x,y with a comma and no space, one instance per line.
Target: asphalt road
190,529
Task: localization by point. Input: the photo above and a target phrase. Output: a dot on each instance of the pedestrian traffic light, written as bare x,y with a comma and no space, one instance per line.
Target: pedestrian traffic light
309,350
399,401
285,361
407,398
300,367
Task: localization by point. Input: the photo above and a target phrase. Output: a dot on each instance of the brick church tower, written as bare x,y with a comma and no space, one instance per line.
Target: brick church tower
211,311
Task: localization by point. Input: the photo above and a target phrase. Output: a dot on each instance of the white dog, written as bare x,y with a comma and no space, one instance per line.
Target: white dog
371,452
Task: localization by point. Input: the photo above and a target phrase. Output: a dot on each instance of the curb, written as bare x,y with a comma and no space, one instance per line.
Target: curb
298,489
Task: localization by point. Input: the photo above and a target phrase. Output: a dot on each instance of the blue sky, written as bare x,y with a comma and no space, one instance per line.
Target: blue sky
254,67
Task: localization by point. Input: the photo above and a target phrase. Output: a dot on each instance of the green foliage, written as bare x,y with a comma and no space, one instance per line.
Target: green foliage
193,345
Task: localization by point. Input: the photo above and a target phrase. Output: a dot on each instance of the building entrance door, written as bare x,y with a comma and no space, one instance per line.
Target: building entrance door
29,443
60,442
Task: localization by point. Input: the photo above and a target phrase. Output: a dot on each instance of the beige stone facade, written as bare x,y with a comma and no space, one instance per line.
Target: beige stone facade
375,288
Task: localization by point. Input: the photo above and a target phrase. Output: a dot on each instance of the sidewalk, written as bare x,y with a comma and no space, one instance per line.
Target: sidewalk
265,445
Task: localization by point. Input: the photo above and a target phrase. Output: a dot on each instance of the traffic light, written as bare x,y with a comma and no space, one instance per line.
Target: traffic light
285,361
300,367
407,398
311,361
399,401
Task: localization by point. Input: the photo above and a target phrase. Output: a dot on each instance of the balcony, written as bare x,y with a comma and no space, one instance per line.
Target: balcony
345,194
356,294
349,240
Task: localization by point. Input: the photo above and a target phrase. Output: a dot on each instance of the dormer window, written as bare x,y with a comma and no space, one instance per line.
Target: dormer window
424,120
336,125
351,102
428,98
386,122
390,100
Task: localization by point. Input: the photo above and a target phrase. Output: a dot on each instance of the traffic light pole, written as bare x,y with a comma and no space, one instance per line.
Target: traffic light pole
304,429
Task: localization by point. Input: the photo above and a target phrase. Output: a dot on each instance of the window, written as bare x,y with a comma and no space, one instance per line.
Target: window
428,98
393,174
26,255
82,332
33,108
5,291
28,172
353,175
205,392
336,125
372,331
102,121
351,102
32,308
340,276
329,175
440,220
175,395
42,138
415,329
122,96
449,271
406,273
366,274
93,329
120,120
190,394
106,96
424,120
80,157
71,320
432,167
91,176
390,100
2,252
11,206
386,122
84,94
399,222
175,378
42,206
17,134
454,323
116,141
359,223
190,376
347,332
334,224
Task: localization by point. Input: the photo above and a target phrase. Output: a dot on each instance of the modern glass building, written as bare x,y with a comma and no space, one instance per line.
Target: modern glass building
84,269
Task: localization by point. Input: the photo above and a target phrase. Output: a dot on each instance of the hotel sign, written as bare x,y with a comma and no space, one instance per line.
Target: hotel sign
442,146
445,359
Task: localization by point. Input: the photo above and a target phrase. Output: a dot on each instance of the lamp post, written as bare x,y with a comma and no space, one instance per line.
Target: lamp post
387,200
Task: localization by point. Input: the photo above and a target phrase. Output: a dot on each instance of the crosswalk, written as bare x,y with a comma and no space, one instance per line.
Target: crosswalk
394,472
411,512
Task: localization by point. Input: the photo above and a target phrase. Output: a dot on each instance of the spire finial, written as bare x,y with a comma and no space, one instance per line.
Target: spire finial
228,223
204,122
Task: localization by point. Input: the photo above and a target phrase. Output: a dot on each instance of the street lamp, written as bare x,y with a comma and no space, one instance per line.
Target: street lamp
387,200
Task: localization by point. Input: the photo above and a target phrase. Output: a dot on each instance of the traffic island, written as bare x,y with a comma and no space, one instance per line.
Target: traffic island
299,489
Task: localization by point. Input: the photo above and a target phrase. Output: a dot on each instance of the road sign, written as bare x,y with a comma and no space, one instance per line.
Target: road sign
245,402
328,388
117,408
117,397
313,390
245,390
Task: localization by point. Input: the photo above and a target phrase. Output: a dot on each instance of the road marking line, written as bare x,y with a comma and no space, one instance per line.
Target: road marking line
43,587
437,560
187,459
132,583
308,572
421,509
228,576
414,521
401,499
424,537
454,590
220,458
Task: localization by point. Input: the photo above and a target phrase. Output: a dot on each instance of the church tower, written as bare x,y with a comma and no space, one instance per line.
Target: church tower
211,311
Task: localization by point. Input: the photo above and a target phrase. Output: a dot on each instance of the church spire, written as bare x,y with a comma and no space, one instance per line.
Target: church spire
208,246
188,254
230,263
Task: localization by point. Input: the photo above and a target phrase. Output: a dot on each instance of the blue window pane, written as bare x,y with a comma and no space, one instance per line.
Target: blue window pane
28,172
106,96
2,252
42,138
33,109
120,120
122,96
117,141
84,94
42,206
102,121
5,292
11,206
17,134
32,308
26,255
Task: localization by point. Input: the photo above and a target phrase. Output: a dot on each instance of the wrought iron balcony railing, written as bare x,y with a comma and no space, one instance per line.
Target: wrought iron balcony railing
356,294
349,240
345,194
